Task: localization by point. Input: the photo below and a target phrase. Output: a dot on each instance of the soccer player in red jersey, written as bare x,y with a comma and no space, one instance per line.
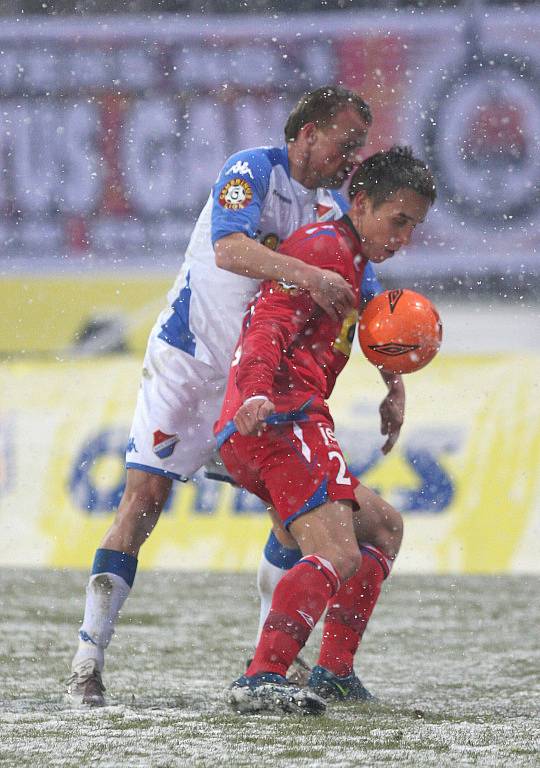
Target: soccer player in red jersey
276,437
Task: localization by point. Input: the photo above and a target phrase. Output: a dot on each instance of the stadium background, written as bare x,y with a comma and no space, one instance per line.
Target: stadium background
112,128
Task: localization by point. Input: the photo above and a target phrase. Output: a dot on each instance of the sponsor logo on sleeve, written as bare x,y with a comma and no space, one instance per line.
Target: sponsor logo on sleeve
241,168
236,194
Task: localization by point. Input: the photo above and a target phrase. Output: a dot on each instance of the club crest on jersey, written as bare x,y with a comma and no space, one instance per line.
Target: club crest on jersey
164,444
236,194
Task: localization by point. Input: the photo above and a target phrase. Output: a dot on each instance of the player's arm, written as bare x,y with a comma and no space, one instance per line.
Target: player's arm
239,196
240,254
250,417
278,316
392,408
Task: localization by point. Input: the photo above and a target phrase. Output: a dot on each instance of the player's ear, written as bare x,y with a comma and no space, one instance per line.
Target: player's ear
309,132
359,201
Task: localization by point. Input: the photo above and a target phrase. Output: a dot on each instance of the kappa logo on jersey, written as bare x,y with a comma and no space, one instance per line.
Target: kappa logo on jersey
241,168
164,444
236,194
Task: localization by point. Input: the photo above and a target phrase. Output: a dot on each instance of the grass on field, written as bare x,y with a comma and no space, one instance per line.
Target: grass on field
454,660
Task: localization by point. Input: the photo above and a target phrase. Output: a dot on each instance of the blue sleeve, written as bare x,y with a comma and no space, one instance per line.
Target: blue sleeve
239,193
370,284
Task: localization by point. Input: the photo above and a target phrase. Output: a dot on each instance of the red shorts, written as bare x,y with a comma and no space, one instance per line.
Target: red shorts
295,467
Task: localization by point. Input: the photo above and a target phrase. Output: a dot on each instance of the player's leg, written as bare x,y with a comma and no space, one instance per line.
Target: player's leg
111,580
295,469
171,438
379,530
280,553
330,555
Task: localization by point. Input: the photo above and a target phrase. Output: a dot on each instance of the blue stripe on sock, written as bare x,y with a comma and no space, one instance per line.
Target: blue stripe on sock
280,556
119,563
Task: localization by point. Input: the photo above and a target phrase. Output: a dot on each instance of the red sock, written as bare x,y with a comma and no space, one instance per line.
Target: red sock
349,612
297,605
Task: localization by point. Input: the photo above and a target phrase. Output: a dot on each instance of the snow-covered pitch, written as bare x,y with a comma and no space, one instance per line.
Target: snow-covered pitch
454,661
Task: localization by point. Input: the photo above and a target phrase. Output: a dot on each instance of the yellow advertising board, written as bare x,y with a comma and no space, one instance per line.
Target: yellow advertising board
45,314
465,472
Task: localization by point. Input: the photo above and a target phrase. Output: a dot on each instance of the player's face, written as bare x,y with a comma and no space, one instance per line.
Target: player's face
389,226
334,149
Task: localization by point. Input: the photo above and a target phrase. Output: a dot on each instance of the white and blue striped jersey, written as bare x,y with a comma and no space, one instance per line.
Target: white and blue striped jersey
254,194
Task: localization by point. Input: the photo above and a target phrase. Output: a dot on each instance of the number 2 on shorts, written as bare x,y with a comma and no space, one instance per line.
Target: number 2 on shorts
341,478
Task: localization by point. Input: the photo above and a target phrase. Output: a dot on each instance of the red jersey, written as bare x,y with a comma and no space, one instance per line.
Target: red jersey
289,349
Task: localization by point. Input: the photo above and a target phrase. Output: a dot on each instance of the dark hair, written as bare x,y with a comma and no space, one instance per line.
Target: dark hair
321,106
384,173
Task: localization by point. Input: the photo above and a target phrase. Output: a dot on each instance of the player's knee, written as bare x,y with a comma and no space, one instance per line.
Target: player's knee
389,530
347,562
144,497
393,522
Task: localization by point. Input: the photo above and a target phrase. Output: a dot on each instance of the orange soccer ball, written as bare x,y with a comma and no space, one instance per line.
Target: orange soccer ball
400,331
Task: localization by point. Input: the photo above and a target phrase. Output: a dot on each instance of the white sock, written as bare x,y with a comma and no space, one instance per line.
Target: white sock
268,577
105,596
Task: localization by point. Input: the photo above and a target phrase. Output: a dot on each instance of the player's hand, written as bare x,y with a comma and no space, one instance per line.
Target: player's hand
249,419
392,410
332,293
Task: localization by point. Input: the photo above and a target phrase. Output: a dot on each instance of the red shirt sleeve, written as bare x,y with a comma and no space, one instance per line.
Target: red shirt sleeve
277,317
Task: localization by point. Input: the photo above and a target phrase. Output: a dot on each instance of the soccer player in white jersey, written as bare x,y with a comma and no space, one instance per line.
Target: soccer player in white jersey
261,196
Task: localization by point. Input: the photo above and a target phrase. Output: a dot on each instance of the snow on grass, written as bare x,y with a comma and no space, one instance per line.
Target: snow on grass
454,661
